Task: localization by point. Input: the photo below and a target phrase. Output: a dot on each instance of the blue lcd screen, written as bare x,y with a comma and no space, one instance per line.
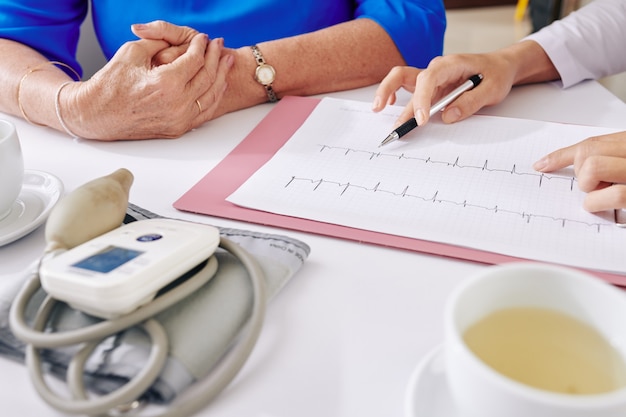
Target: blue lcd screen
107,259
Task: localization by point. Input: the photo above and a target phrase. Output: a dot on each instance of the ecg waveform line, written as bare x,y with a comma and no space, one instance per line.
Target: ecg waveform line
453,164
346,186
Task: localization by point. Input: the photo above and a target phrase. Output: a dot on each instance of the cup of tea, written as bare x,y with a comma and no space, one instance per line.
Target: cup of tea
11,167
530,339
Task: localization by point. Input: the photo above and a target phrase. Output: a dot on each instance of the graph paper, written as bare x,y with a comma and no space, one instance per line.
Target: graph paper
468,184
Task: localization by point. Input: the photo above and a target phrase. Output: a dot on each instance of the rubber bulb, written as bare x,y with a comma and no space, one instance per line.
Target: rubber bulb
92,209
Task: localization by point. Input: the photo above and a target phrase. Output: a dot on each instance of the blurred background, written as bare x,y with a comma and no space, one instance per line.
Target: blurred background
485,25
473,26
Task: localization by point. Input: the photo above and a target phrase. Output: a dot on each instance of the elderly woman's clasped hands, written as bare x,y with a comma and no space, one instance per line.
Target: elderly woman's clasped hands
166,83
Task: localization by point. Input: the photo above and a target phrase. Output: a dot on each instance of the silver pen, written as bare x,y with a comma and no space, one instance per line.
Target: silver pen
411,124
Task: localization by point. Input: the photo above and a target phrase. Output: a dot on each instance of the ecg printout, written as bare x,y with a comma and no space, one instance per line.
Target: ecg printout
468,184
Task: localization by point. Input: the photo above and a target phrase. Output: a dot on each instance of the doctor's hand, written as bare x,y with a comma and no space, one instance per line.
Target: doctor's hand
600,168
443,75
131,98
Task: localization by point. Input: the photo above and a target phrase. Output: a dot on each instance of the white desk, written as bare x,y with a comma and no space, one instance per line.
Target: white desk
344,336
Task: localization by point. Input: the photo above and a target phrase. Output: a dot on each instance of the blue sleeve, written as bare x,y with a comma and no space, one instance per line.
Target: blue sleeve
416,26
52,27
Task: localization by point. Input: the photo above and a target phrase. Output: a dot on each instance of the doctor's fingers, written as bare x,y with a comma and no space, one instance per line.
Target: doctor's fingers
613,145
607,198
599,171
607,145
398,77
442,75
445,74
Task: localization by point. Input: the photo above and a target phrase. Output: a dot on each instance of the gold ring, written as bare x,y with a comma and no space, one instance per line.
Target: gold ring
199,105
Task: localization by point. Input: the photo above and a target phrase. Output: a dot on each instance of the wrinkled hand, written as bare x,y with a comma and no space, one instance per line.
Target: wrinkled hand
600,168
443,75
179,38
132,98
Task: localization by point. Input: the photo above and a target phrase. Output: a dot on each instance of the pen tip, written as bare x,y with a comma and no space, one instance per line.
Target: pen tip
392,136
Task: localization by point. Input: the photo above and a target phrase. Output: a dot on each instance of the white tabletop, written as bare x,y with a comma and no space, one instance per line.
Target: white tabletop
343,337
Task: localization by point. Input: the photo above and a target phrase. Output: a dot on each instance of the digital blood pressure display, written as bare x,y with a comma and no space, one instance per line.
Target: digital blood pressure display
108,259
119,271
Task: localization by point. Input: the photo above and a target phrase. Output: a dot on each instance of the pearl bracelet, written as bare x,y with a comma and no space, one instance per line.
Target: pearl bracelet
57,108
30,71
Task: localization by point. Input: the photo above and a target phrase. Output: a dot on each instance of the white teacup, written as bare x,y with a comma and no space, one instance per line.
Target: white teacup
479,389
11,167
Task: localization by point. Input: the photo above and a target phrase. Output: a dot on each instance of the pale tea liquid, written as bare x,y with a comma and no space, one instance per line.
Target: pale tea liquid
547,350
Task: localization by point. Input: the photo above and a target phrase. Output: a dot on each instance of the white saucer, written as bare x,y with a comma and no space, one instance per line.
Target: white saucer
427,394
40,192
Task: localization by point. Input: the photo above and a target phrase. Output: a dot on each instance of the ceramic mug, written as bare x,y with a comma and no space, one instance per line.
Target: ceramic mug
480,318
11,167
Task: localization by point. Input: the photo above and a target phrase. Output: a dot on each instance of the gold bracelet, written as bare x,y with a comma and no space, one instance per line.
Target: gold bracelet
30,71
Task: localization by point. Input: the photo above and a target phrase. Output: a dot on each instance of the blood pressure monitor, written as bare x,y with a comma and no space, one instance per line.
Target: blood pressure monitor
119,271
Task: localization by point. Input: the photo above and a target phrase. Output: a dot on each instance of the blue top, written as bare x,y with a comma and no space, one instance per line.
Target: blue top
53,26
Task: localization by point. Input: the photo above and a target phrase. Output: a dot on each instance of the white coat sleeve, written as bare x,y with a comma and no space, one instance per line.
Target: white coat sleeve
590,43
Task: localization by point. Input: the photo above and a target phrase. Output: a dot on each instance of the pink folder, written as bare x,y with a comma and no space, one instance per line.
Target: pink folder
209,195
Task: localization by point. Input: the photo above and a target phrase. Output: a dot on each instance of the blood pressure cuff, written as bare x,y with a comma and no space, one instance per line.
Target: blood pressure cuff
200,328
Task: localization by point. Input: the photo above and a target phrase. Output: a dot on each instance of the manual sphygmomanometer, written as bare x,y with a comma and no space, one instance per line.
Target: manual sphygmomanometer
125,276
